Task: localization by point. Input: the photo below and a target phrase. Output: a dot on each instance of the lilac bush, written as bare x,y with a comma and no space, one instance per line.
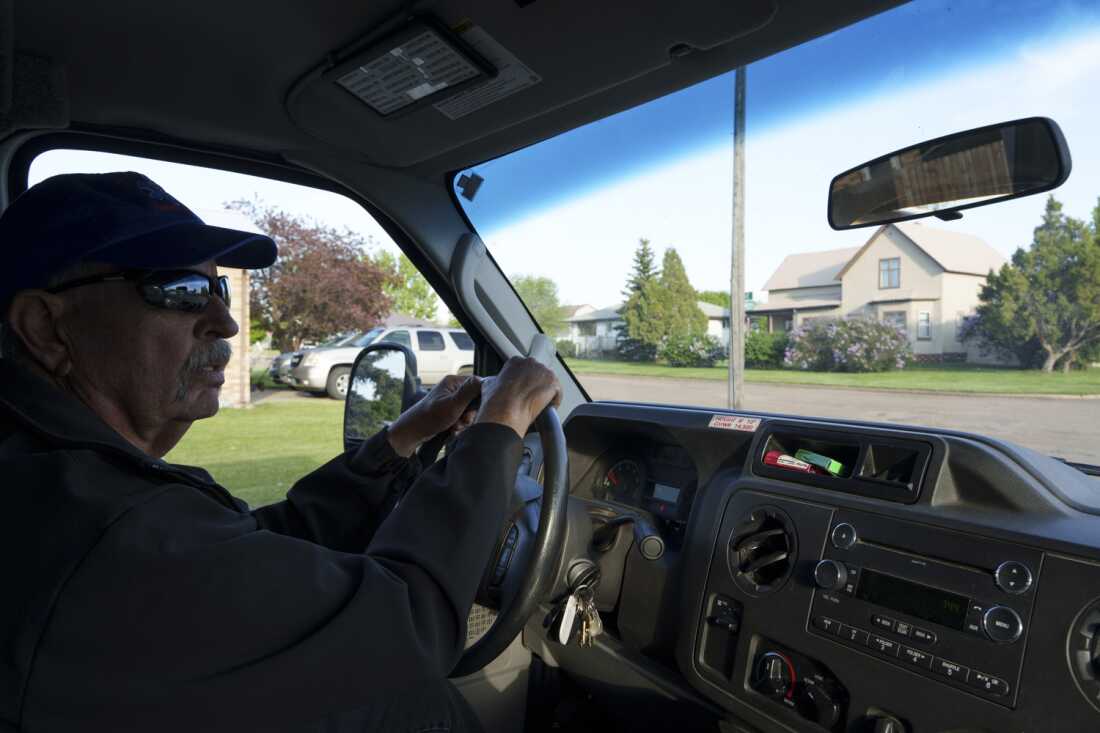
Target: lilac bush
856,345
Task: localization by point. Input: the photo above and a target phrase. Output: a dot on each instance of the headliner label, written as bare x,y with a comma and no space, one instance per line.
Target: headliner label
735,422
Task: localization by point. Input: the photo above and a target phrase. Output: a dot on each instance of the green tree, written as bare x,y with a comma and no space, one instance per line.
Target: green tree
720,298
644,271
1048,295
678,311
540,295
410,292
640,335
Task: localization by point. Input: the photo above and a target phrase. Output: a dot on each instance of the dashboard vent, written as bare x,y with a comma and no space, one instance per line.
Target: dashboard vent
762,551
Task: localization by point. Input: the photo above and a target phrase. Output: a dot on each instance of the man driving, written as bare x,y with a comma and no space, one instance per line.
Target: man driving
140,595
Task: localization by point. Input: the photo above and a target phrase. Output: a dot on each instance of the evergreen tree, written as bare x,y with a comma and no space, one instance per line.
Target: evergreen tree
644,269
637,338
677,308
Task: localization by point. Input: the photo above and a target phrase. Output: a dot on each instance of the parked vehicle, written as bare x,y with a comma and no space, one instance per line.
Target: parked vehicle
439,352
279,371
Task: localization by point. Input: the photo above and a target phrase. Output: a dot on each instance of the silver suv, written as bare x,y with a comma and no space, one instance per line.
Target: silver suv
439,352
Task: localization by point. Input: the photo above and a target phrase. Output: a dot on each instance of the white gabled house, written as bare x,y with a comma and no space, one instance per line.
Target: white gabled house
919,278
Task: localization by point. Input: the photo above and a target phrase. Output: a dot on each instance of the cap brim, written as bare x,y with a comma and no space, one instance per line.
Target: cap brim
190,244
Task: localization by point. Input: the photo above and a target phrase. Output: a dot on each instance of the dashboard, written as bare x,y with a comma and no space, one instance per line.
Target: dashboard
927,581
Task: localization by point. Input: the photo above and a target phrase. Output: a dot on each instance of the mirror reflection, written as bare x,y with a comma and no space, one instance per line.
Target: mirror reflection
374,394
966,169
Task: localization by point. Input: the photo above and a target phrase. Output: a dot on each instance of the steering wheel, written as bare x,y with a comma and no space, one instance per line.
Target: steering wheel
524,567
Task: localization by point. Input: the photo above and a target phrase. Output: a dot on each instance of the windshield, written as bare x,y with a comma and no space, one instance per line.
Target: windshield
365,339
617,235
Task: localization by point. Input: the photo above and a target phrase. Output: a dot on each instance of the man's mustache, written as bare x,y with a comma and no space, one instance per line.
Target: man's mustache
214,354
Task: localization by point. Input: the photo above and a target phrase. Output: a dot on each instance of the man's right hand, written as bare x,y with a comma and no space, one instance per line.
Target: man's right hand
517,395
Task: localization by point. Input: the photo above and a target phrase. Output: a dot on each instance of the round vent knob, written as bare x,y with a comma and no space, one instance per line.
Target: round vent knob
1084,652
762,551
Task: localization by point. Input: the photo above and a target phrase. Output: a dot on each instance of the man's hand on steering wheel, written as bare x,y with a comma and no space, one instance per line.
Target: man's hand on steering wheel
517,395
445,409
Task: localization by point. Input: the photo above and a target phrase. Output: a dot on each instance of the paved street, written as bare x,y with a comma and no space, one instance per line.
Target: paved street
1065,427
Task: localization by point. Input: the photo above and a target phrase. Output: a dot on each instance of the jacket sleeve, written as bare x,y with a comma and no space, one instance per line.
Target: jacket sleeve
341,504
190,607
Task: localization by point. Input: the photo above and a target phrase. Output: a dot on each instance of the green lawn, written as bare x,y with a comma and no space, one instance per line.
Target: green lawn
938,378
259,453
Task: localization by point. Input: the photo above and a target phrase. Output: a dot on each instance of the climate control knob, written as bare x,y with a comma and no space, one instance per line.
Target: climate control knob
830,575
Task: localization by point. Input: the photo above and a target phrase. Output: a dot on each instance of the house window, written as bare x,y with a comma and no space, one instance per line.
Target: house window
896,319
587,328
889,273
924,326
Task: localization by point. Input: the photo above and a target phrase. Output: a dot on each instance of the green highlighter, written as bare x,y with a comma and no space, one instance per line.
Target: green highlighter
833,467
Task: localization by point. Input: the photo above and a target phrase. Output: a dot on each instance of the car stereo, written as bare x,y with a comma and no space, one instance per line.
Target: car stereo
892,589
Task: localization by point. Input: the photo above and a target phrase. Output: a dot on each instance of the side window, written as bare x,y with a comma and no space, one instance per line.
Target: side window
430,341
462,340
398,337
290,331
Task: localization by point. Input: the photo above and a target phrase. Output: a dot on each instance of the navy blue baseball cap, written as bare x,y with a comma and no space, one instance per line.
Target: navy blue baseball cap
119,219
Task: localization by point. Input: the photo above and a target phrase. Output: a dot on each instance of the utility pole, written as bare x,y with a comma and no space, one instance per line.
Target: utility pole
737,259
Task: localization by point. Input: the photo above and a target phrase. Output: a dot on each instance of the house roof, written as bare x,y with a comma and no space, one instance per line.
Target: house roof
953,251
810,269
710,310
801,305
569,311
611,313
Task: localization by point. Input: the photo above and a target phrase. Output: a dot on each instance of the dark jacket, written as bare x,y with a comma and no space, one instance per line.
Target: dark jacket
140,596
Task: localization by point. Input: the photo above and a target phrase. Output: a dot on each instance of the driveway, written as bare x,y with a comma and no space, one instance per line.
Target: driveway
1069,428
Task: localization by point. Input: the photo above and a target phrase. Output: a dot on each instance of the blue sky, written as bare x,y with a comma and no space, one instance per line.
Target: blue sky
663,170
924,40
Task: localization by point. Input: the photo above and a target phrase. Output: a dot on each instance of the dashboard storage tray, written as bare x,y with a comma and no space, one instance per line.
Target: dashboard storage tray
880,466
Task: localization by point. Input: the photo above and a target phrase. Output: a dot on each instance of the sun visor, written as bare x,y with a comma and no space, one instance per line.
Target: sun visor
446,82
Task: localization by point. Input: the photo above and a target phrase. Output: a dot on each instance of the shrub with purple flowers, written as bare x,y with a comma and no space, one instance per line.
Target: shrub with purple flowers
847,346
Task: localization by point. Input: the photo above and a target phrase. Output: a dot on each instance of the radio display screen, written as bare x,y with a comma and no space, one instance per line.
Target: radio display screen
937,606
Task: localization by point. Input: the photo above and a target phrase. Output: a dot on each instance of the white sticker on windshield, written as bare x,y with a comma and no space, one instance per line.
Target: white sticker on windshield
512,76
735,422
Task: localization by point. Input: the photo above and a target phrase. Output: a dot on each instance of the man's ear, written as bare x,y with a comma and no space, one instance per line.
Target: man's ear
35,316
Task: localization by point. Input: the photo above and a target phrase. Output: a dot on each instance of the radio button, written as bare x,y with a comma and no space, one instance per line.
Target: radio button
924,636
988,683
883,622
852,582
1002,624
826,624
901,628
1012,577
886,647
973,622
951,670
854,635
916,657
844,536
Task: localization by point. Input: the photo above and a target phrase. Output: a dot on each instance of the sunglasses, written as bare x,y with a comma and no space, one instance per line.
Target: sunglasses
179,290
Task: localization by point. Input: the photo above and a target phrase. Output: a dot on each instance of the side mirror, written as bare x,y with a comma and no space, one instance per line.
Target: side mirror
942,177
381,386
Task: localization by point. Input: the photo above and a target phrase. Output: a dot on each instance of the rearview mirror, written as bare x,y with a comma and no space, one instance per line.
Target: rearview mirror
381,385
942,177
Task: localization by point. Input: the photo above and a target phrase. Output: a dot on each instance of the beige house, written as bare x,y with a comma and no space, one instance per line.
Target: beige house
919,278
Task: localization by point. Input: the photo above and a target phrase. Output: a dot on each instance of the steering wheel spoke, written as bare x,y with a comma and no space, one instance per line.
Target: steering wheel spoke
539,521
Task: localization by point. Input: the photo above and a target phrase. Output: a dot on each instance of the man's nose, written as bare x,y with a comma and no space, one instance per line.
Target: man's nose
216,322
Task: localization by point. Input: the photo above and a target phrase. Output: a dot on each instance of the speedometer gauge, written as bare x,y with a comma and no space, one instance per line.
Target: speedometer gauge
621,482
